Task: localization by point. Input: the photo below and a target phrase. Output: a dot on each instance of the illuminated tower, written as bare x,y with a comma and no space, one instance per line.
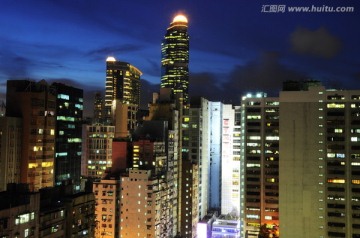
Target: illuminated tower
122,95
175,58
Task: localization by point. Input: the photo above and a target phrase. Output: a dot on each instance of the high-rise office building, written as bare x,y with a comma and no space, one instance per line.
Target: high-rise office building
145,205
107,196
230,165
260,150
175,58
214,144
35,103
153,148
237,194
69,113
189,208
122,96
166,107
319,167
199,152
224,192
98,150
215,122
10,150
98,108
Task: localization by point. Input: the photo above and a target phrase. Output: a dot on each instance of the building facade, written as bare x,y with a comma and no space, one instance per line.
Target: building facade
10,150
98,109
98,150
319,168
260,138
145,206
69,113
230,165
175,58
19,212
122,94
35,104
215,122
169,110
199,153
107,197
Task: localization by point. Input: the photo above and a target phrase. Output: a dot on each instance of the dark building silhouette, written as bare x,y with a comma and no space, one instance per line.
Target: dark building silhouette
69,113
98,108
50,212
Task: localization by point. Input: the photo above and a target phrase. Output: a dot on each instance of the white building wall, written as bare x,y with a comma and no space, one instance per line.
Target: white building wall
204,168
301,158
228,204
215,122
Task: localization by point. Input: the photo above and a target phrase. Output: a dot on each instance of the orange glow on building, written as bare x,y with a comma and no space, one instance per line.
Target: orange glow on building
180,18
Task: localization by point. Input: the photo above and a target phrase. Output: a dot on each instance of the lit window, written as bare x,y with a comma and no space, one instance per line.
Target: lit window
335,105
355,181
268,217
336,180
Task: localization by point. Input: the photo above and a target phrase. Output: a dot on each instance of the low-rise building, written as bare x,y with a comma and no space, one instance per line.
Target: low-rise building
19,212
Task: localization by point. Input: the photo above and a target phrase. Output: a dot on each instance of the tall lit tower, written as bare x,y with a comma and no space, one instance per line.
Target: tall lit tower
175,58
122,95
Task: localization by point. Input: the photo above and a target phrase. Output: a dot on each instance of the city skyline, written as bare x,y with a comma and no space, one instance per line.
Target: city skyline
238,45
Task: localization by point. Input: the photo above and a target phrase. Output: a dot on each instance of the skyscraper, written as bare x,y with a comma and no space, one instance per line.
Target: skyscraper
69,112
199,141
215,122
35,103
98,150
122,94
260,150
319,168
175,58
98,108
10,150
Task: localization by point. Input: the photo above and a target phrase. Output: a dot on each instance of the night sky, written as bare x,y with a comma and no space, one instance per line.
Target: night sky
235,48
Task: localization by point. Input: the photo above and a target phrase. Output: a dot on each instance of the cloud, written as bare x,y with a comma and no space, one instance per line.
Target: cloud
113,50
205,85
153,68
147,89
319,43
265,74
13,65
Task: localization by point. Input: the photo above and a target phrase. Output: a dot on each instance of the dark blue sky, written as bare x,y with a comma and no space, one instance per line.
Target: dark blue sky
234,47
